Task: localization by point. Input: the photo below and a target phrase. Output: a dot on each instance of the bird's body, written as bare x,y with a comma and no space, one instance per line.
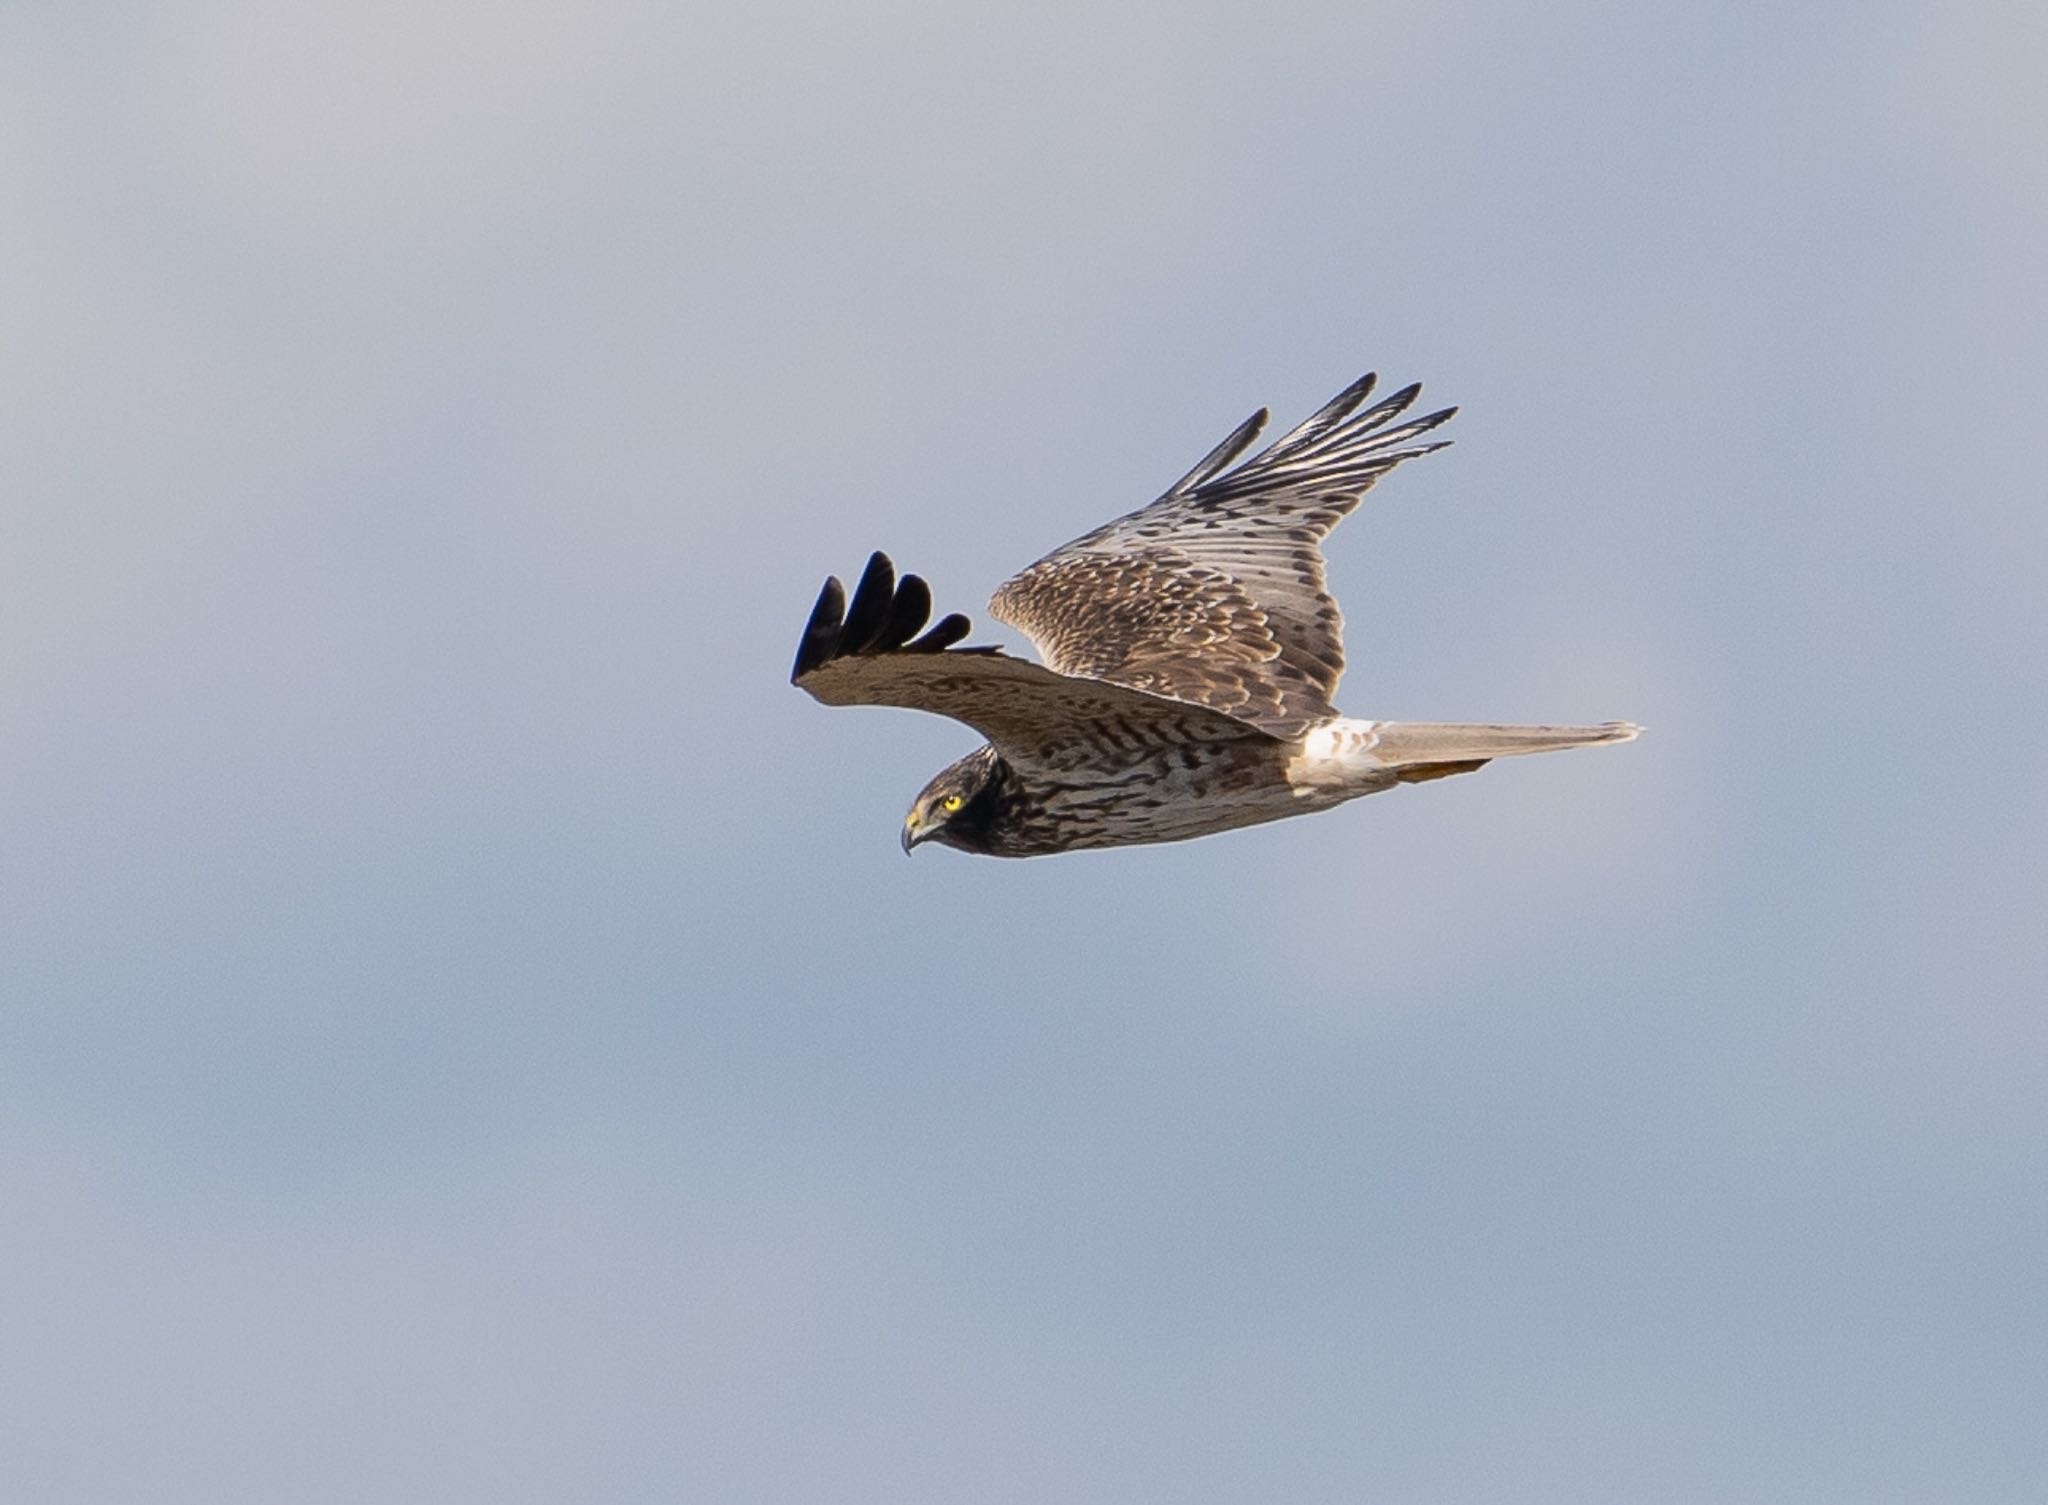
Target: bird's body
1154,794
1191,651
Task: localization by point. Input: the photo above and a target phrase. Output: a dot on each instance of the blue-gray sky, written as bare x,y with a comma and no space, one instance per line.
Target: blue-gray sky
469,1033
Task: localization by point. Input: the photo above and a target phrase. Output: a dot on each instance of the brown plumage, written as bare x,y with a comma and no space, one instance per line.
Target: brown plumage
1191,650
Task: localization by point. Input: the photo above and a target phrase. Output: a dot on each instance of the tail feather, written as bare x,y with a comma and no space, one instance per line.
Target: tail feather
1420,750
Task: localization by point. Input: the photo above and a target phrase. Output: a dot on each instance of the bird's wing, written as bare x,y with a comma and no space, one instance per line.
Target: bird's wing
870,653
1215,592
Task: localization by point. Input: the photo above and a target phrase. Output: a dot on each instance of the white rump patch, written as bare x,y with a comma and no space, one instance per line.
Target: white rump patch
1335,756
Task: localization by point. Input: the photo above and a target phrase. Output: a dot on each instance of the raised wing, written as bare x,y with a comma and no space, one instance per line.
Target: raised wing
1215,593
869,653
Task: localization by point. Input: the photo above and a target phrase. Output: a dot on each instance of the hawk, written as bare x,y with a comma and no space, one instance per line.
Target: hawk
1191,652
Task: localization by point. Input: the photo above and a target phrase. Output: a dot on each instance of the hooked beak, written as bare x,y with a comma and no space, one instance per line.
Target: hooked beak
912,834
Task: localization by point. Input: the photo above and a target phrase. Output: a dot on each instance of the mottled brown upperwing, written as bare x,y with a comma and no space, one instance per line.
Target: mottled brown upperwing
1215,592
869,653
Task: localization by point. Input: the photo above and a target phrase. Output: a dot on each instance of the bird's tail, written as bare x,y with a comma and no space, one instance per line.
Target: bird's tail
1420,750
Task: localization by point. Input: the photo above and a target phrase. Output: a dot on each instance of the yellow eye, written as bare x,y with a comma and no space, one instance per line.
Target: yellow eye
951,803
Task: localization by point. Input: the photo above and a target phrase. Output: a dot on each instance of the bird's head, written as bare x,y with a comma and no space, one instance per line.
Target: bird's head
956,807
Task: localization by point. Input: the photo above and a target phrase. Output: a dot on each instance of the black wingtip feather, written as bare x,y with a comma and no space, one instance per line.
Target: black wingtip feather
821,634
949,630
886,615
872,599
907,615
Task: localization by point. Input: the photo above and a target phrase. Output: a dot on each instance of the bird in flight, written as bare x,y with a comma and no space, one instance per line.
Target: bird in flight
1191,652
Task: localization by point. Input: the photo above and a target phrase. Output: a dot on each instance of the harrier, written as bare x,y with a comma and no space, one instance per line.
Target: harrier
1191,652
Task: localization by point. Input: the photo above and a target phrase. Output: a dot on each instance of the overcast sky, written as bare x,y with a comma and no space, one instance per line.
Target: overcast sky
468,1031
